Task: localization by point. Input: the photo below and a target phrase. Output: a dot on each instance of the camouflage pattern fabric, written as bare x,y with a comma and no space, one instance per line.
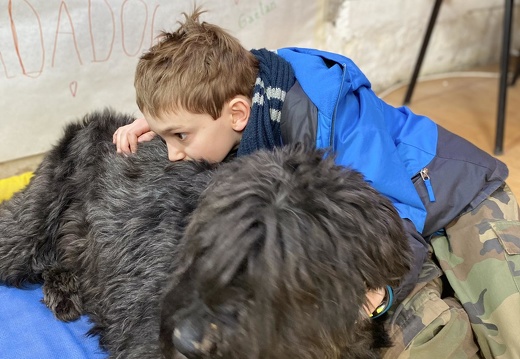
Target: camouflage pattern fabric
480,256
425,326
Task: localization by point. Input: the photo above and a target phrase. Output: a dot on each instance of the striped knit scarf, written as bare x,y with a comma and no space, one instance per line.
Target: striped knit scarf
275,78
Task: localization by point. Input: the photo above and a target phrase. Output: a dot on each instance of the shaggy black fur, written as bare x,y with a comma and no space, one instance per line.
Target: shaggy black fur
277,259
274,263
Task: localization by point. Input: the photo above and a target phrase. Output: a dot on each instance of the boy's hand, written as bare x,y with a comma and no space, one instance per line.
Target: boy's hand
126,137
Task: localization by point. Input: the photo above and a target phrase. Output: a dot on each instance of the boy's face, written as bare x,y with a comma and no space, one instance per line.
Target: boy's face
190,136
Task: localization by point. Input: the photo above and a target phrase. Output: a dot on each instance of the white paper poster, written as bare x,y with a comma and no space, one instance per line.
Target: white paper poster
62,59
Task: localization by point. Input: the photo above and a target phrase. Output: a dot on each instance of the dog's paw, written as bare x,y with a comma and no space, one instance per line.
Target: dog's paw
61,294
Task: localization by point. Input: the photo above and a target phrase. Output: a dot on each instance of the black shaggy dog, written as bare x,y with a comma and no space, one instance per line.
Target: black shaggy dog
273,263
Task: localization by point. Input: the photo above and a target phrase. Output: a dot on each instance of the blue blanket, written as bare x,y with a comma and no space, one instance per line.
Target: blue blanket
29,330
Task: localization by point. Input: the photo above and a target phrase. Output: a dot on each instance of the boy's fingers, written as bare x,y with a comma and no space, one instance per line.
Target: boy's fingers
122,144
132,143
126,138
147,136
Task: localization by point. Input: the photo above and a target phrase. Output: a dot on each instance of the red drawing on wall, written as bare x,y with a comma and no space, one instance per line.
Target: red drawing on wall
73,87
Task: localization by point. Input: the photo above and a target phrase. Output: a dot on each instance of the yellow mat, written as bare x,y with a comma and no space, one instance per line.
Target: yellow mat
11,185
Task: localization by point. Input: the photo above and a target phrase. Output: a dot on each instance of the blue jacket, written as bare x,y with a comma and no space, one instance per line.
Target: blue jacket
333,105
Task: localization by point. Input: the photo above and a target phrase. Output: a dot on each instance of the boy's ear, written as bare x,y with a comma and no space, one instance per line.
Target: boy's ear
240,110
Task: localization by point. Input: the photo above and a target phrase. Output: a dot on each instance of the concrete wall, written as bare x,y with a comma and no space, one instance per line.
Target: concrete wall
384,36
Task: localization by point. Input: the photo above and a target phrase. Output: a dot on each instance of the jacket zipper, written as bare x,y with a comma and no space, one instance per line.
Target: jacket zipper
333,123
426,179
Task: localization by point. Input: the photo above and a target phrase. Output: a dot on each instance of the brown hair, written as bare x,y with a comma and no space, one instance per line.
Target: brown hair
197,68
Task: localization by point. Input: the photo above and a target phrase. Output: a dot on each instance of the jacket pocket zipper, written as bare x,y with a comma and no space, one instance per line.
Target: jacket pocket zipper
426,179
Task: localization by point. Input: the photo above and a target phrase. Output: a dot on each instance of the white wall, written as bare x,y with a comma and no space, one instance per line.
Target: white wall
62,58
384,36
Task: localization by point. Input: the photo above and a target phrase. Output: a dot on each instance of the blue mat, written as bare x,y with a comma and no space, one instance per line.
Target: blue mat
28,329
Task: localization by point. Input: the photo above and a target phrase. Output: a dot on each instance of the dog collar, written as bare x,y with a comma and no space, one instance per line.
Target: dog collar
387,302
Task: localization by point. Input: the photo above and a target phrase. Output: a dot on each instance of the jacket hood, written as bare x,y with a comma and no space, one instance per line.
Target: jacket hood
337,73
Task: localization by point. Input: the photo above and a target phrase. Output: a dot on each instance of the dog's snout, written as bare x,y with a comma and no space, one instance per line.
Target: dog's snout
191,337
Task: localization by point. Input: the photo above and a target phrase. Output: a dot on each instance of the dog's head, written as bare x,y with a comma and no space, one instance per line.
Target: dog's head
277,259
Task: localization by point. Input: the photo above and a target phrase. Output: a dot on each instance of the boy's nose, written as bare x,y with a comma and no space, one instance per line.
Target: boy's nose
175,154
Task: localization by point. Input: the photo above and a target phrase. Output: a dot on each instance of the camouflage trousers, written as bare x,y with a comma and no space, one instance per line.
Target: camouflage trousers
480,257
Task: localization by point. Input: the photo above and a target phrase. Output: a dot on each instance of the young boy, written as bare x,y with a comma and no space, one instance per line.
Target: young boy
209,98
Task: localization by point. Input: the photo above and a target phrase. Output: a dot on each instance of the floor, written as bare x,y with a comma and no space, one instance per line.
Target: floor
466,104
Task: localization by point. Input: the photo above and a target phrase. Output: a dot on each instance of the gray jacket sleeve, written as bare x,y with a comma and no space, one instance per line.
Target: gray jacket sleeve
299,119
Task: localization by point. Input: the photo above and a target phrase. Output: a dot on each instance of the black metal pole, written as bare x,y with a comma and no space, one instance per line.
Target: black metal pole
422,52
504,68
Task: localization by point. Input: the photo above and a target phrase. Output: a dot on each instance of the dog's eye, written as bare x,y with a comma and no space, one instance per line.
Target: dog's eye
226,309
226,313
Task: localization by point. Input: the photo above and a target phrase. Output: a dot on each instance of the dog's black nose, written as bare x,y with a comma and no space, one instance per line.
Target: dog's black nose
189,338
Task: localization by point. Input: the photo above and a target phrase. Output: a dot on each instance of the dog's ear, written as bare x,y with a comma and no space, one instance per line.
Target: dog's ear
302,199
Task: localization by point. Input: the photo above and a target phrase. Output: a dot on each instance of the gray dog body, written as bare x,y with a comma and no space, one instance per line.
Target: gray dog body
267,256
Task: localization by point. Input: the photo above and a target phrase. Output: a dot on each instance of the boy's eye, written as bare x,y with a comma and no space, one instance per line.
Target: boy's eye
181,135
